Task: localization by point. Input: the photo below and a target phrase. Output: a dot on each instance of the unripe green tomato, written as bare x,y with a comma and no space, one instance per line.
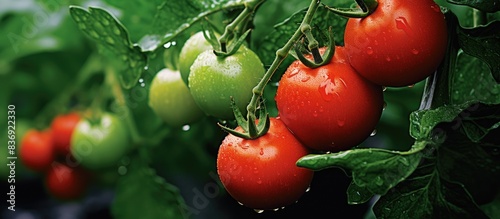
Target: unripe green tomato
213,80
100,144
195,45
171,100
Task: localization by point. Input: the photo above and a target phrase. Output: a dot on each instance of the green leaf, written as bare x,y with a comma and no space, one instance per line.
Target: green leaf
357,194
425,195
107,32
483,5
377,170
483,42
142,194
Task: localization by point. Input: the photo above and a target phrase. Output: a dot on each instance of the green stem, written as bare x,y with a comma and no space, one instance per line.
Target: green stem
479,17
243,16
116,89
281,54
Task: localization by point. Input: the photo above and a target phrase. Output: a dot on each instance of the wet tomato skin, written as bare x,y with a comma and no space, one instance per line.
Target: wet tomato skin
261,173
401,43
330,108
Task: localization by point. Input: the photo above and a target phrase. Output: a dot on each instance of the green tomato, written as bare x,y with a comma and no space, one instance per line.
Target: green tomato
171,100
195,45
100,144
213,80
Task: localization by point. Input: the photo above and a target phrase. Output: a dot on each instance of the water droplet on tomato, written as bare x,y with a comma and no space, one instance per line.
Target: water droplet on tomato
384,88
293,73
261,151
436,8
326,90
240,203
259,211
259,181
414,51
402,24
308,189
374,132
369,50
306,78
341,122
276,209
315,113
388,58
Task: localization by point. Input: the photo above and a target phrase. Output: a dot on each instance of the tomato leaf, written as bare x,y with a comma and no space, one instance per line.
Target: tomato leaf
483,5
425,195
154,197
105,30
376,170
483,42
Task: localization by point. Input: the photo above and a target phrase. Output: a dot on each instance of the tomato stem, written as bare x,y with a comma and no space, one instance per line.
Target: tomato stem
281,54
231,28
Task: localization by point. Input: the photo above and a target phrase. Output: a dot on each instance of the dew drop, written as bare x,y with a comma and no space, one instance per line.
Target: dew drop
411,85
259,181
122,170
374,132
293,73
414,51
388,58
384,88
276,209
384,106
436,8
186,128
369,51
315,113
259,211
402,24
240,203
308,189
141,80
261,151
305,79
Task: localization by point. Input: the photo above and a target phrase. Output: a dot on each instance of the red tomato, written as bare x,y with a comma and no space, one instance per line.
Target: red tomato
399,44
66,183
329,108
37,150
261,173
62,128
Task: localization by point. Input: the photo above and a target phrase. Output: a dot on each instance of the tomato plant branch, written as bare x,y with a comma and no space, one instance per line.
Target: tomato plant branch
478,17
229,31
112,80
366,7
262,126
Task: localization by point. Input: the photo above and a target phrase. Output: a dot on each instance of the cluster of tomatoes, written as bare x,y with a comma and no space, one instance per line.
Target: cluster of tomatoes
47,152
330,108
71,149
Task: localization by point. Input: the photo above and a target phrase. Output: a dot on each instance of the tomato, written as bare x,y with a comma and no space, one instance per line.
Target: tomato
195,45
66,183
329,108
170,99
261,173
399,44
37,151
213,80
62,128
100,144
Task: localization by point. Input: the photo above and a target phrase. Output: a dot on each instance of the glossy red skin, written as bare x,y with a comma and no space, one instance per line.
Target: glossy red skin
66,183
401,43
261,173
62,128
37,151
330,108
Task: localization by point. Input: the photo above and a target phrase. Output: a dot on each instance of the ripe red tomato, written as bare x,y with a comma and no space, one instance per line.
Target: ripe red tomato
261,173
37,150
62,128
66,183
329,108
399,44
